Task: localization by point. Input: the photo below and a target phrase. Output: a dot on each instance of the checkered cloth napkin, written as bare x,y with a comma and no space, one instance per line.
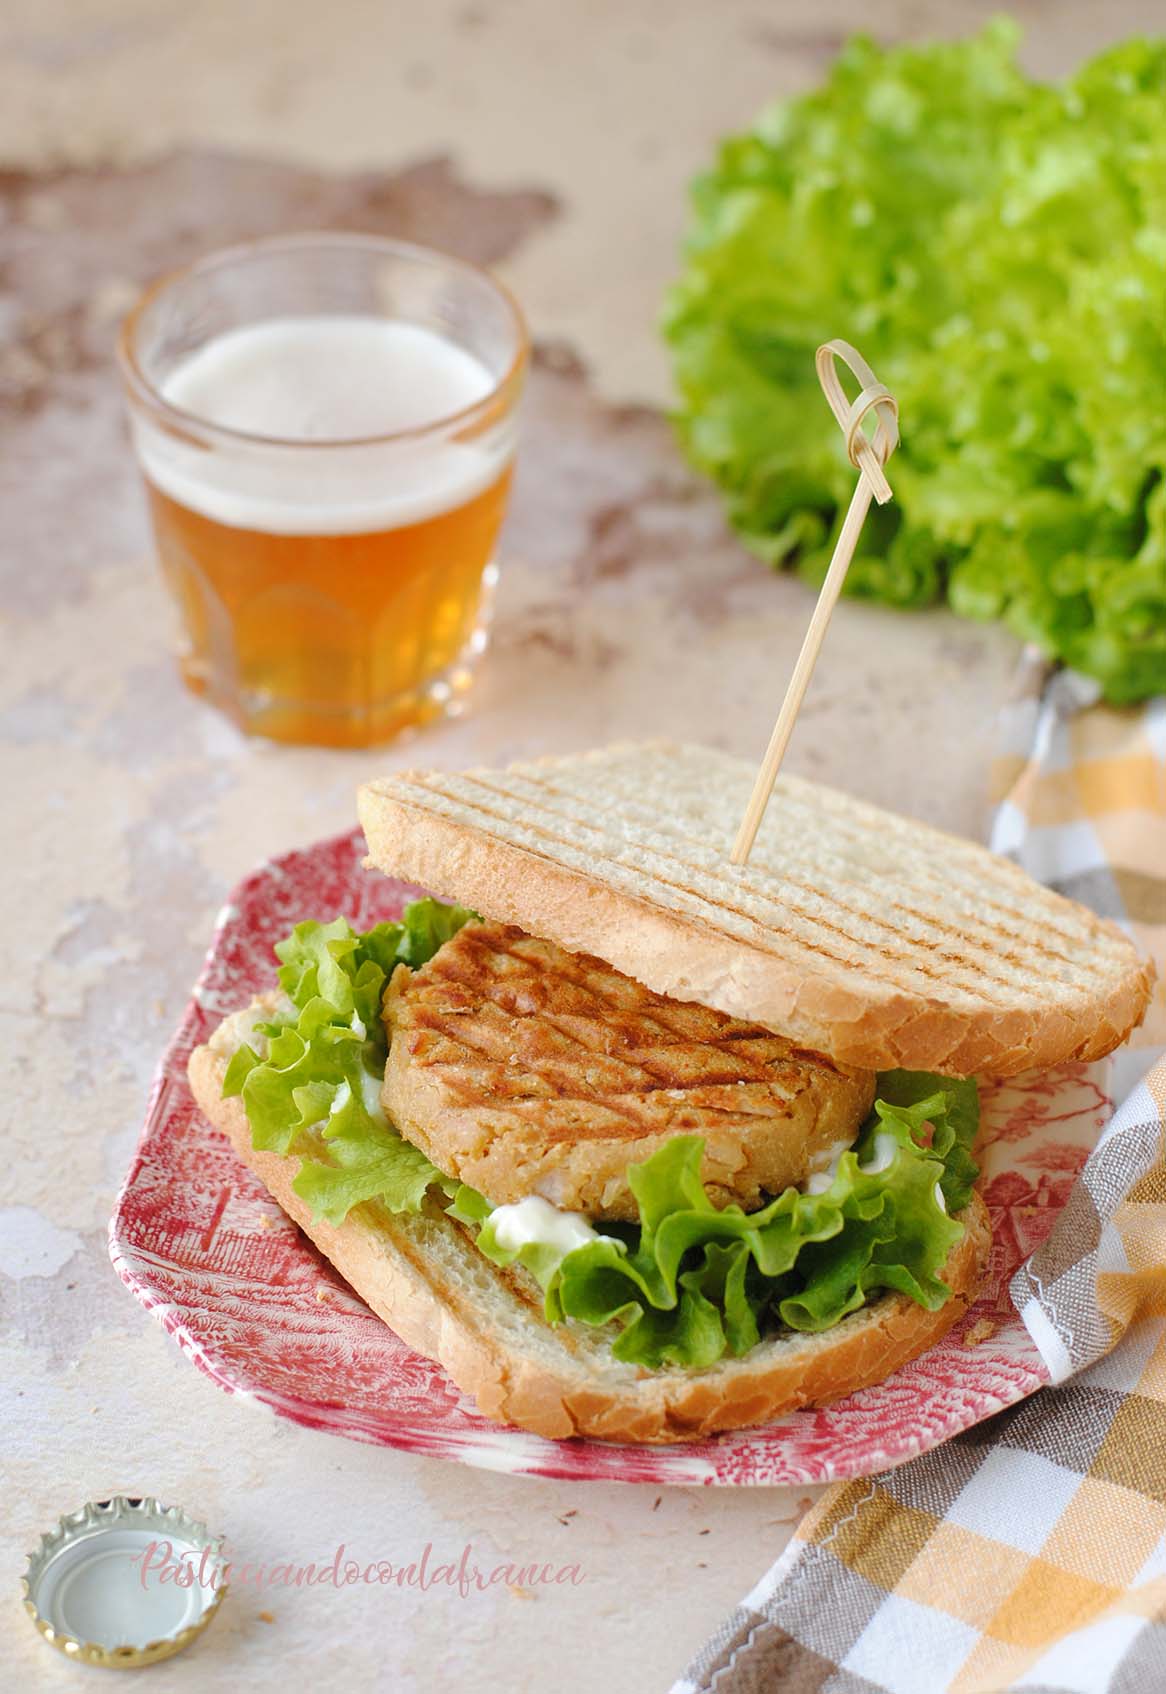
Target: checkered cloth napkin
1029,1553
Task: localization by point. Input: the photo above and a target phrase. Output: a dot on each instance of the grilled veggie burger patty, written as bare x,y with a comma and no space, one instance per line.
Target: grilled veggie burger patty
524,1069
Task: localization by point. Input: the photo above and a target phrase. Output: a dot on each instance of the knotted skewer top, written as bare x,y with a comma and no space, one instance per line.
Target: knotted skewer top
868,455
865,455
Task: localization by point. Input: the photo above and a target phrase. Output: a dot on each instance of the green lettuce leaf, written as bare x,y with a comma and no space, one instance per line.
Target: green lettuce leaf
955,1126
427,925
315,1092
695,1282
997,248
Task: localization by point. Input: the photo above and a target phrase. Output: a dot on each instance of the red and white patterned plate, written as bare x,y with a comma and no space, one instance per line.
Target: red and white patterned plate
202,1246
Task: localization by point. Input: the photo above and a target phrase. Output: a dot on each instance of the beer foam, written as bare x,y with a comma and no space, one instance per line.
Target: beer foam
324,380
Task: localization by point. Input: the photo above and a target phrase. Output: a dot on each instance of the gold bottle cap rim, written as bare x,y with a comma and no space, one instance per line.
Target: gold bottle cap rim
124,1582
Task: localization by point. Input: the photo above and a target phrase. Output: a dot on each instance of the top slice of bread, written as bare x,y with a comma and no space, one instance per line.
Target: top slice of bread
863,935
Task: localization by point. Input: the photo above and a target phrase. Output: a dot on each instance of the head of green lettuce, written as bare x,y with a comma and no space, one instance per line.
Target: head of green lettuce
997,249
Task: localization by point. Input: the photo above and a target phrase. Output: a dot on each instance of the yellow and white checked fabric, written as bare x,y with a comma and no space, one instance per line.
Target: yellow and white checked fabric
1030,1552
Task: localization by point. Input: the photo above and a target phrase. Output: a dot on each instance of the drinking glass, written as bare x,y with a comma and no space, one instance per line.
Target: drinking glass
326,428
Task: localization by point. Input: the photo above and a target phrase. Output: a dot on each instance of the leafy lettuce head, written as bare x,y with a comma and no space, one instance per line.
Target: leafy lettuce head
997,248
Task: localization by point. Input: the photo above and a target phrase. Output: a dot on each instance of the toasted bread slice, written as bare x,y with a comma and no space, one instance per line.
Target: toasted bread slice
523,1069
425,1277
859,934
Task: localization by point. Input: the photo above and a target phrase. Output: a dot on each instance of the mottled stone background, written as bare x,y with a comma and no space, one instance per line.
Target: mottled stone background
552,142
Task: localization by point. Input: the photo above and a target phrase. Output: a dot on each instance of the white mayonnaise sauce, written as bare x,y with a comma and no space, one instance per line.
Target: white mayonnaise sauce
370,1088
883,1157
535,1222
241,1029
825,1168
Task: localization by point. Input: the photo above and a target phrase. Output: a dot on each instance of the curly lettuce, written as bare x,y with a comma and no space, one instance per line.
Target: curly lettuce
315,1091
695,1282
997,248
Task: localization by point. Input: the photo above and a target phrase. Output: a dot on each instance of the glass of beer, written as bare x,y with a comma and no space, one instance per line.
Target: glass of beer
326,427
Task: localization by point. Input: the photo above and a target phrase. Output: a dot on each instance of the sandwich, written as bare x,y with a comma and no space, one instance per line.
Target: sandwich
638,1144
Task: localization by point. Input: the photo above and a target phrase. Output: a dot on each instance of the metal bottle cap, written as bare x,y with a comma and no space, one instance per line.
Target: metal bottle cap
124,1582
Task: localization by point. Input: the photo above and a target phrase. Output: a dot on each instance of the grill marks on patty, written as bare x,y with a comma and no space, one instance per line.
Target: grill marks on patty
546,1071
550,1025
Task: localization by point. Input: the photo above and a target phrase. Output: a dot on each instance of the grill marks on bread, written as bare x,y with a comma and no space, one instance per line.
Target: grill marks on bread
862,935
980,956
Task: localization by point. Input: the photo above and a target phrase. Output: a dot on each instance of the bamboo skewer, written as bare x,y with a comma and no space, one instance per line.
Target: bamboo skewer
868,457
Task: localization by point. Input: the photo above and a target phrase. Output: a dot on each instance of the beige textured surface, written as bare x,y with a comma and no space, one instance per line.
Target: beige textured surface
552,140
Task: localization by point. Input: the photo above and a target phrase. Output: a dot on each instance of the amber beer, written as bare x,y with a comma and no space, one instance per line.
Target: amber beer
326,493
337,639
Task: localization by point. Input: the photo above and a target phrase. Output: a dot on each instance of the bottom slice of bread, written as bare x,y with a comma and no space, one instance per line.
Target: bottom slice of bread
425,1277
